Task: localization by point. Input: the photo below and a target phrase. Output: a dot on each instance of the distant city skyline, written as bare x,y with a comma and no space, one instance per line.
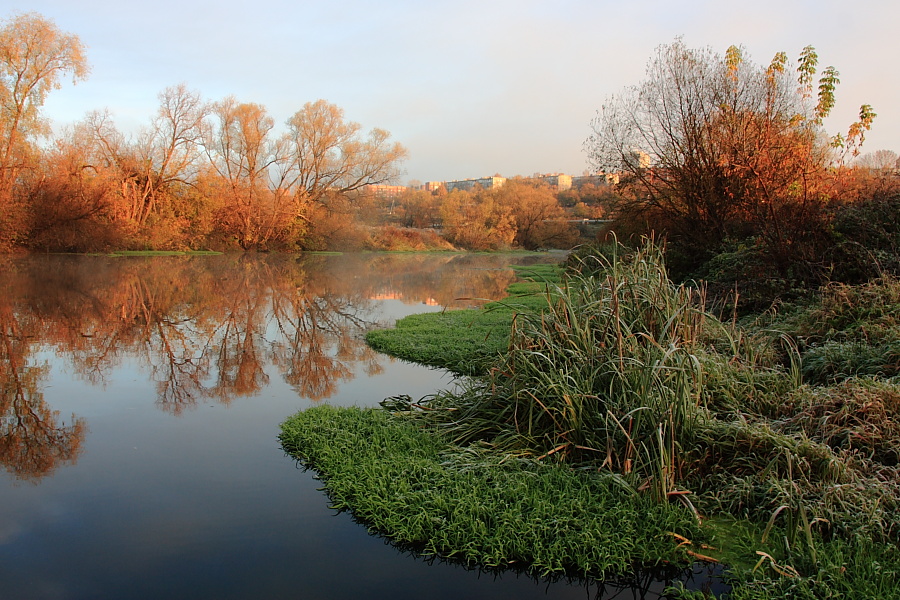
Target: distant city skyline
472,89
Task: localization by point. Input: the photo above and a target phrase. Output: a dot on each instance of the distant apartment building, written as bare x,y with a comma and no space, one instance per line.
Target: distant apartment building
432,186
556,181
384,191
468,184
638,159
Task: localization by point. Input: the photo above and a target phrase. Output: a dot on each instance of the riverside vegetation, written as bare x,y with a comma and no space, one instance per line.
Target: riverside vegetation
749,420
612,421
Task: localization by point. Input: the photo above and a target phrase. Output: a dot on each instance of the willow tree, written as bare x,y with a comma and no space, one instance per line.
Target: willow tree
244,157
34,56
328,155
716,147
149,169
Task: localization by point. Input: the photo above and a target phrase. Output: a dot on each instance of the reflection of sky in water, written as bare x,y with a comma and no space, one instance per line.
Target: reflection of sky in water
204,503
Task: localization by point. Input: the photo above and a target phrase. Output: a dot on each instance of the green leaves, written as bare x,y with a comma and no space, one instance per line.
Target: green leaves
806,69
827,83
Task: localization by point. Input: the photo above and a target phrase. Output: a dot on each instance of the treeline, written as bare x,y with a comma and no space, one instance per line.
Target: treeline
726,159
202,175
523,213
199,174
219,175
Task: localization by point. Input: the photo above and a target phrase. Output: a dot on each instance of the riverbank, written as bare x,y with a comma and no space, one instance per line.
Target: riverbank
466,342
621,375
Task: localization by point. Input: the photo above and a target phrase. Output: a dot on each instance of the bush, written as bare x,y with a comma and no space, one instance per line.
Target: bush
399,239
866,239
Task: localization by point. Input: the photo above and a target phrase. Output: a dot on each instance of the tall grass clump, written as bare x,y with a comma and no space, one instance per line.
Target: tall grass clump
606,372
624,371
622,380
851,331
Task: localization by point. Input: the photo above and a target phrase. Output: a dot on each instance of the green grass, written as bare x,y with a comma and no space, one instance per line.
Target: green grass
407,484
491,510
465,341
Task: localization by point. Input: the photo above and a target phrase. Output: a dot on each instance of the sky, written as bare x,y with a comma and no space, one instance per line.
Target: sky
471,88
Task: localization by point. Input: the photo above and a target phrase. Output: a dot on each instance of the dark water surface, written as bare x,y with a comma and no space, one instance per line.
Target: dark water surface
141,399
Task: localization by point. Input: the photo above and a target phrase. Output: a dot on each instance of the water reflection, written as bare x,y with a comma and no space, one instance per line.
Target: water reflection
183,367
641,584
203,328
33,441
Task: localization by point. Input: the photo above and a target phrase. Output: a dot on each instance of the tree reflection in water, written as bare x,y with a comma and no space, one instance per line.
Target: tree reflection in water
32,439
204,328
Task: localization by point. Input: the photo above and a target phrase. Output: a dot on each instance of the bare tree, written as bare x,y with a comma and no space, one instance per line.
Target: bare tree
880,160
327,154
162,156
259,208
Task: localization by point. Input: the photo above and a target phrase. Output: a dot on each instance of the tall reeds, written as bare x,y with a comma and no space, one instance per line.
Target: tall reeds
605,373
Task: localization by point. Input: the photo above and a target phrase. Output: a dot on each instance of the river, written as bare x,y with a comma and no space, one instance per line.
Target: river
141,400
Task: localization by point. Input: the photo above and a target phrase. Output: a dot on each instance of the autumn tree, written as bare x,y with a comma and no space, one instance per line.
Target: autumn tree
169,150
540,221
476,220
588,201
73,201
326,154
147,171
34,56
258,208
883,161
714,147
420,208
874,175
326,160
881,172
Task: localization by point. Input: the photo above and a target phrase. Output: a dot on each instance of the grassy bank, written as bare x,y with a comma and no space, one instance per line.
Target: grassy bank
623,380
481,509
466,341
164,253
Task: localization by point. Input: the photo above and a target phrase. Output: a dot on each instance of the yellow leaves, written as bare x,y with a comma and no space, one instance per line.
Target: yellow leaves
783,570
733,59
34,54
779,61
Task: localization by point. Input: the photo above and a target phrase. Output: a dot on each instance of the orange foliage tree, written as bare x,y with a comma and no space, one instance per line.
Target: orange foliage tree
475,220
34,56
540,221
257,209
718,148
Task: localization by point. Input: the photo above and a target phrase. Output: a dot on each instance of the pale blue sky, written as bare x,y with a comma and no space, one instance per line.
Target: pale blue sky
472,88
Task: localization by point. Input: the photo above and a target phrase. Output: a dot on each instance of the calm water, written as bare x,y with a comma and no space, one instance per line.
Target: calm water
140,405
